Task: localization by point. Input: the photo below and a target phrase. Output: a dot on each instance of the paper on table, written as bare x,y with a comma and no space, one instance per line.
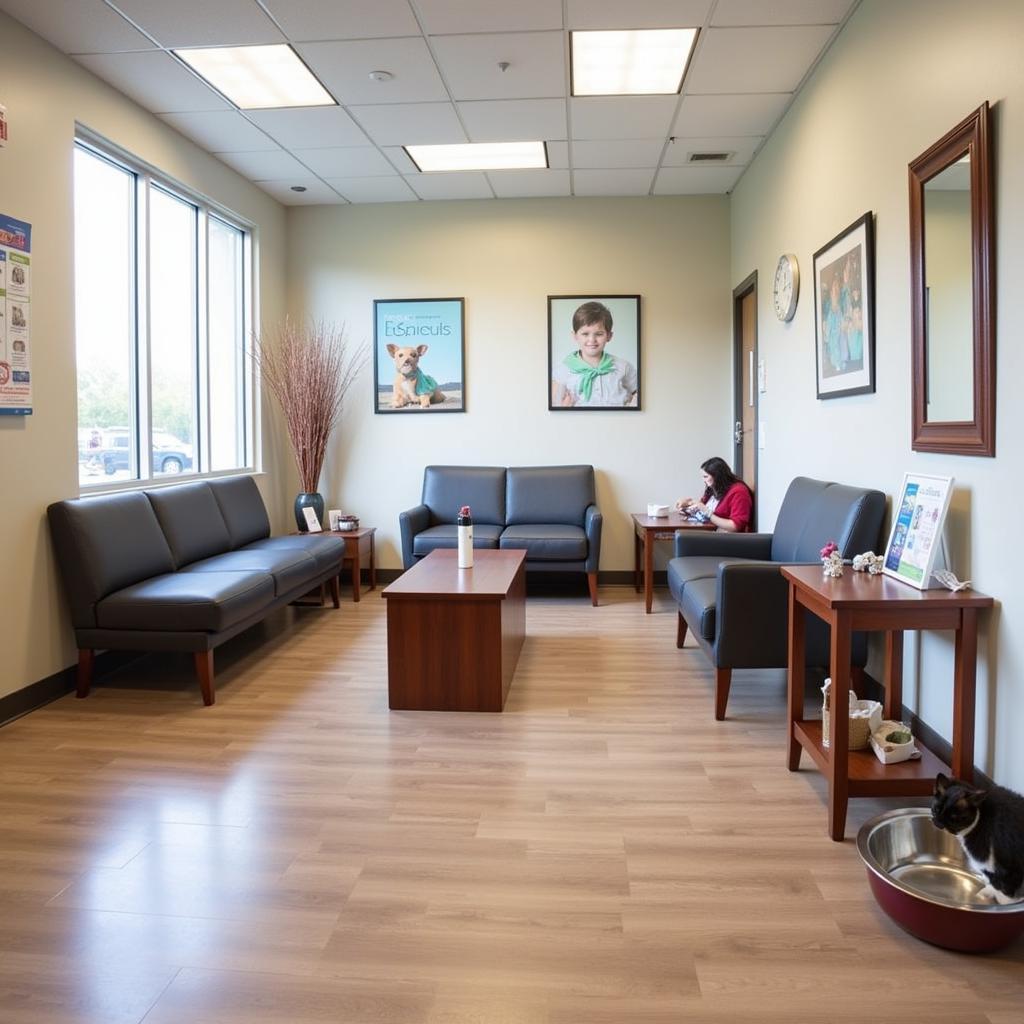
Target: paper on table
311,520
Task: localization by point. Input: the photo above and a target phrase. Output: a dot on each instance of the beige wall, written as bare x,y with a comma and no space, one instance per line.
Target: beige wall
898,77
505,257
45,93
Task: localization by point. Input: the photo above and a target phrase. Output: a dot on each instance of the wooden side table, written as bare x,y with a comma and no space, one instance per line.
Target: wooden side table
359,544
859,602
646,530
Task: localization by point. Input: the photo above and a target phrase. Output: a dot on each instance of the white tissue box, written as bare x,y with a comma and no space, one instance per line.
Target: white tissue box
657,511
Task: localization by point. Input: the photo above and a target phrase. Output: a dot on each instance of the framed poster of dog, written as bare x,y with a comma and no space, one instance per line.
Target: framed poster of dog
419,355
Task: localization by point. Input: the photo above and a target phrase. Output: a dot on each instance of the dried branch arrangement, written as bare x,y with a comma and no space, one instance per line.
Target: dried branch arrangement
309,370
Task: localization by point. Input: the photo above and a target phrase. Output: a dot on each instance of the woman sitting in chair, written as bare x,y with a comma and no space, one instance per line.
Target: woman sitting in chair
727,501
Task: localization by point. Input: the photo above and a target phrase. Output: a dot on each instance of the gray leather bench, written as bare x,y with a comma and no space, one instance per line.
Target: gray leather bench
550,511
732,596
180,568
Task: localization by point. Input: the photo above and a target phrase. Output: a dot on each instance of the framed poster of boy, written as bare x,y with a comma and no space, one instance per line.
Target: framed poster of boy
419,355
594,352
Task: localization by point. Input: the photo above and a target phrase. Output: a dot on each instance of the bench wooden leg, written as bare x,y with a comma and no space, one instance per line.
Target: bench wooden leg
335,592
858,683
680,631
592,584
723,679
204,669
86,657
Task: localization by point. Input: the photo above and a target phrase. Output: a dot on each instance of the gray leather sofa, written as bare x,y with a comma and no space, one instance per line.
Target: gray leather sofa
733,597
180,568
550,511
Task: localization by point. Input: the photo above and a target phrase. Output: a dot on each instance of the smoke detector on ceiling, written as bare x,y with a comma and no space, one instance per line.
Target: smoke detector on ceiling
380,76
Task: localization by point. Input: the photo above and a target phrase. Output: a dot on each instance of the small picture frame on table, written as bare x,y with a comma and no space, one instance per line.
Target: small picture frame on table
919,515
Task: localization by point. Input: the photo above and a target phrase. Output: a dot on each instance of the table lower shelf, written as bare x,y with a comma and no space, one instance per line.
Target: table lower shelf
867,775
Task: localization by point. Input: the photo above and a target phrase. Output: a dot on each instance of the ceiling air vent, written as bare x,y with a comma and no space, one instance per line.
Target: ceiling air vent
710,158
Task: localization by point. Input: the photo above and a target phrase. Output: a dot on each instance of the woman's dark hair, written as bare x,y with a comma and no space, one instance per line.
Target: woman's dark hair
722,477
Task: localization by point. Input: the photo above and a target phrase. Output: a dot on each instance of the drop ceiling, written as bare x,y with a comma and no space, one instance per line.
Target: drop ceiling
750,59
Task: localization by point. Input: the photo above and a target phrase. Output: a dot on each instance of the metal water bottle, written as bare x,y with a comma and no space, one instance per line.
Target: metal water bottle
465,528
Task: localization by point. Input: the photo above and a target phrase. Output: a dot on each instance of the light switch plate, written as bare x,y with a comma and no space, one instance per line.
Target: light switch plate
762,378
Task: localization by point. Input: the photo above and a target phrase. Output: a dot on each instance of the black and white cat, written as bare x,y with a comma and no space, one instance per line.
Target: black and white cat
990,826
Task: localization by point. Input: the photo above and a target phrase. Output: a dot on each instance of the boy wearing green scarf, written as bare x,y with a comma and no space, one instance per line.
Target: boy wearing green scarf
589,376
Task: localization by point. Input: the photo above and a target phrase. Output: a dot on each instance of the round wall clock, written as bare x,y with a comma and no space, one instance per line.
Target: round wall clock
786,289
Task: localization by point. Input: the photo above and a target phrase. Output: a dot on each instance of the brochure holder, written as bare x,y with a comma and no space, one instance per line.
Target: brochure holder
915,540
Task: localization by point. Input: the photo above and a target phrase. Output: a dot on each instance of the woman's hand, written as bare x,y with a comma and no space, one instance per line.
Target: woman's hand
683,504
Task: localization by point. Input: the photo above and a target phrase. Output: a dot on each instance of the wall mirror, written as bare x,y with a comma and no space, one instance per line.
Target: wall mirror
952,292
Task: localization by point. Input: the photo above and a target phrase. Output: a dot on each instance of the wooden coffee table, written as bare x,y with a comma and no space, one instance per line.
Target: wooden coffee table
646,530
454,635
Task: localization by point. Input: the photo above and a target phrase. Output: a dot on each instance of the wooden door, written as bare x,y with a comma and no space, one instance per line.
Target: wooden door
745,382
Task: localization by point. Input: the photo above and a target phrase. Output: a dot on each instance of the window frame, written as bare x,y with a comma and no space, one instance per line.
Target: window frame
146,178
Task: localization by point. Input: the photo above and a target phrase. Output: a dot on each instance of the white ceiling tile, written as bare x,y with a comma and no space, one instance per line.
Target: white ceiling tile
347,162
77,26
519,184
310,127
373,190
617,153
155,80
305,20
741,149
452,16
780,12
620,182
622,117
744,114
316,194
202,23
265,165
451,185
605,14
410,124
692,181
470,65
558,154
755,59
221,131
513,120
400,159
344,67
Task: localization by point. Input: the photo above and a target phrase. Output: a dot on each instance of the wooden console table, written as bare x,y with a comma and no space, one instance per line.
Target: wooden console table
646,530
858,602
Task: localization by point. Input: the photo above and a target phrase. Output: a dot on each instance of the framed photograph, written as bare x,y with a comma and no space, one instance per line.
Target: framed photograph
594,352
419,355
844,318
918,518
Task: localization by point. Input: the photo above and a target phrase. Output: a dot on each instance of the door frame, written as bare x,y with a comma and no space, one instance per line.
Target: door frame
739,293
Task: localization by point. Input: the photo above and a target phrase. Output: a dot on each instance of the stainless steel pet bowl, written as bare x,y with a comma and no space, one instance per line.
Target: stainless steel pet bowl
920,877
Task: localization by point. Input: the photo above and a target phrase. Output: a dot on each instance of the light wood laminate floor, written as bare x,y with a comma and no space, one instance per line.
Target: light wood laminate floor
603,852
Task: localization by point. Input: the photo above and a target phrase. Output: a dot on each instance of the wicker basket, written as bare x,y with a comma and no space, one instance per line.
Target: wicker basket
865,717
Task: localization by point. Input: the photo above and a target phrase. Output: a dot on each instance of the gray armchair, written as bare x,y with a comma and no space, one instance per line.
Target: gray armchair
734,599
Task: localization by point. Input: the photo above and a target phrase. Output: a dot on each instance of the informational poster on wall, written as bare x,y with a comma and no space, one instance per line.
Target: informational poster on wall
917,528
15,316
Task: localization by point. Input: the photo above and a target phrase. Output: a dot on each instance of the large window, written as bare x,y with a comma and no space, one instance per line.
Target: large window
163,309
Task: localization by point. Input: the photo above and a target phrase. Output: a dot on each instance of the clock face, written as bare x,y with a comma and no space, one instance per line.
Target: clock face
786,289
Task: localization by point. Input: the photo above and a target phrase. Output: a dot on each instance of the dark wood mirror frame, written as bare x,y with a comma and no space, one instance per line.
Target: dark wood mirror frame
978,436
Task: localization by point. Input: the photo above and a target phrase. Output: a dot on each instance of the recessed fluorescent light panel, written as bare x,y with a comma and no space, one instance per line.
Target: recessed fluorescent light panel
630,62
479,156
258,77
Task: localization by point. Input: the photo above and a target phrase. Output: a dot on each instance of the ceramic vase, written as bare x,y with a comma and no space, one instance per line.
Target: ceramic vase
306,500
